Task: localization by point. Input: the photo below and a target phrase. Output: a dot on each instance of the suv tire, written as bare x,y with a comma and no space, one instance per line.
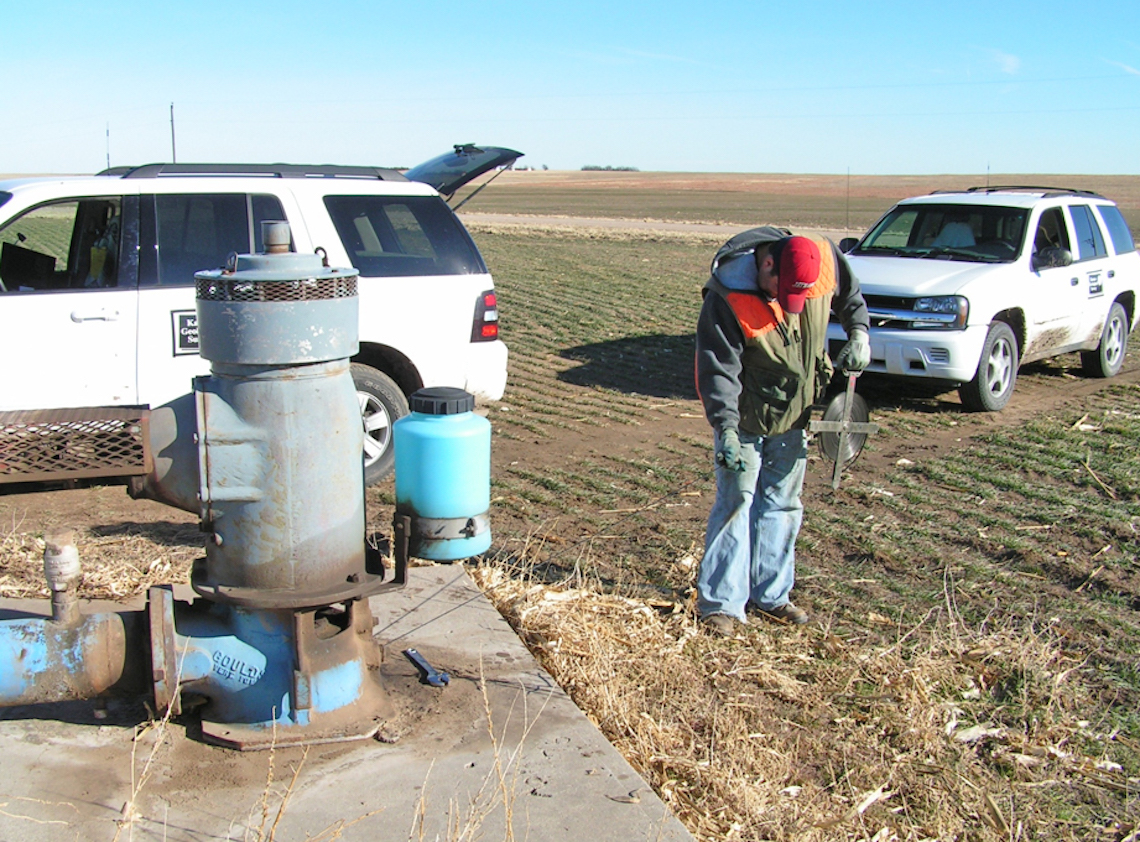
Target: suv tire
381,405
1108,357
992,386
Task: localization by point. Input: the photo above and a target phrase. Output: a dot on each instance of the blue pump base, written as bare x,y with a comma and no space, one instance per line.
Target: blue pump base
258,676
268,677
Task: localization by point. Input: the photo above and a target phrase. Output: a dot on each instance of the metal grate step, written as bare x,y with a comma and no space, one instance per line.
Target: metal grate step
58,444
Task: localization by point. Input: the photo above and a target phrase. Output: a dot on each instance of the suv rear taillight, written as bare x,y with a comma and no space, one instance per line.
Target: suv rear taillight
486,325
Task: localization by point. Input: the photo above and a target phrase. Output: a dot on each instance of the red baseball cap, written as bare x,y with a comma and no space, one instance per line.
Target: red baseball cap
799,269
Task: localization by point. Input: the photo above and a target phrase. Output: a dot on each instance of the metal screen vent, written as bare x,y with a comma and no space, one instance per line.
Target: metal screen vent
313,289
56,444
939,355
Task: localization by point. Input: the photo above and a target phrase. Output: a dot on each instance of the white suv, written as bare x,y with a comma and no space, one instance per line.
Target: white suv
97,303
967,286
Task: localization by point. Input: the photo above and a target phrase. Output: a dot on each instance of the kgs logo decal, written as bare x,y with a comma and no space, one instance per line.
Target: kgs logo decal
185,326
1096,285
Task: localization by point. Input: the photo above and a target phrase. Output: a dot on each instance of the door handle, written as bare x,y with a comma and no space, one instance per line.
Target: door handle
101,315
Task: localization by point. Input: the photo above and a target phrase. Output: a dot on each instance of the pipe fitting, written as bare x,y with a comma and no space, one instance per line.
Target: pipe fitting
63,572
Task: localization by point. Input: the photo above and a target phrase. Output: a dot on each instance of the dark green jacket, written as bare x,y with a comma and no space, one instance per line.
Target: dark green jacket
760,369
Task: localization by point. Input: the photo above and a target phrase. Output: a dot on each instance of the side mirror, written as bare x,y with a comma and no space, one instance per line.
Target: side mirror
1052,258
847,244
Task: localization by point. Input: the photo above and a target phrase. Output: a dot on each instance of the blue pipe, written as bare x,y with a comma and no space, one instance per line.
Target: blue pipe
246,665
45,661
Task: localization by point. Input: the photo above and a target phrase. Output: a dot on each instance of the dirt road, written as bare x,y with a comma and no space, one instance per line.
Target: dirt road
579,222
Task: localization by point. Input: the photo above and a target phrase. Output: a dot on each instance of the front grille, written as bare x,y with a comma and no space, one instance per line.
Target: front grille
311,289
55,444
889,302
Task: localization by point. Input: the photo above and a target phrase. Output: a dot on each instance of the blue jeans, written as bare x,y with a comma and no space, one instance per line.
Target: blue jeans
750,542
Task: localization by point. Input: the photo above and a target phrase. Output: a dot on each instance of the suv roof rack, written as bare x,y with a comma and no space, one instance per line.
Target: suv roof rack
1047,191
273,170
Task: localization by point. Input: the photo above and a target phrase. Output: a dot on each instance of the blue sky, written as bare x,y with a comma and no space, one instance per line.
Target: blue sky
714,86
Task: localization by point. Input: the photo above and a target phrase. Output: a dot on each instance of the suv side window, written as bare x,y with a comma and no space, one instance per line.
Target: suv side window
1051,231
196,231
1117,228
72,244
1089,239
400,236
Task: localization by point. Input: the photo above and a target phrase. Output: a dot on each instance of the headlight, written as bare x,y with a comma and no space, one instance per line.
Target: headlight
950,311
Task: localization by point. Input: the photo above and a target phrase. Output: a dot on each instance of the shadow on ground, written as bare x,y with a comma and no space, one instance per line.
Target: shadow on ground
661,366
657,365
162,532
885,393
933,397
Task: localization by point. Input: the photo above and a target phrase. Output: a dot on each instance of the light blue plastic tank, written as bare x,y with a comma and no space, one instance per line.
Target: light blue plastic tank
443,474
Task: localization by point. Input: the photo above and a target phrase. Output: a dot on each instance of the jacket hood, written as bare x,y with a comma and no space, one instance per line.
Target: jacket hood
746,242
734,268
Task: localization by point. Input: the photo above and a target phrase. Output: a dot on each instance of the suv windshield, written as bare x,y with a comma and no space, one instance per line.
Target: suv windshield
948,231
392,236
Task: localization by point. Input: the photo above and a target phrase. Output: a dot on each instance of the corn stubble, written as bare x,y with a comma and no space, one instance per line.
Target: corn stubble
970,671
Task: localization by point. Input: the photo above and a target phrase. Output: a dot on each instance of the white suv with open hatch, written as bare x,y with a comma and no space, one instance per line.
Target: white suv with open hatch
97,306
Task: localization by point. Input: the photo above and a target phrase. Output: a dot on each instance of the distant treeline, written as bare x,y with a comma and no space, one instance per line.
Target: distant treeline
595,167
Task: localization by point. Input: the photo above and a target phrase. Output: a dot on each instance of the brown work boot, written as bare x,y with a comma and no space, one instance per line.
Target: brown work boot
788,614
720,624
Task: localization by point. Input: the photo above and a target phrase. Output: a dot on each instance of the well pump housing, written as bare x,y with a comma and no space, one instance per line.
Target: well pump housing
267,451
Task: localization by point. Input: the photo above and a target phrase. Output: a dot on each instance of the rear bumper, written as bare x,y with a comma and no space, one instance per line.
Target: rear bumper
486,370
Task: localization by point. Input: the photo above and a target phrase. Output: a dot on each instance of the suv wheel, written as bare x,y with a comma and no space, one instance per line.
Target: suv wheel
1108,357
381,404
992,386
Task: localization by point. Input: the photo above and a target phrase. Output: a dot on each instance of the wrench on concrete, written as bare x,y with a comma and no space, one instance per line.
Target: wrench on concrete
431,675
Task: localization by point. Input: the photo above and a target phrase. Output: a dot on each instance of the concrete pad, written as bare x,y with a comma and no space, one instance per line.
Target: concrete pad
501,743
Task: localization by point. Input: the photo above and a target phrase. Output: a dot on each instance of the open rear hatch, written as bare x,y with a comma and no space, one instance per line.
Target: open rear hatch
466,162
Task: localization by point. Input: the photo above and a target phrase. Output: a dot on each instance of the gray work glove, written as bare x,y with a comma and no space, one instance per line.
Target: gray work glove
728,451
856,354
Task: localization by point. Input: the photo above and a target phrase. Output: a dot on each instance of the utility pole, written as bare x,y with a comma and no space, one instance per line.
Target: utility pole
173,153
108,145
847,223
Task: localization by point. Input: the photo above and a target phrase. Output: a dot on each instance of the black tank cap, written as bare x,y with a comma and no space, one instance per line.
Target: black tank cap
442,400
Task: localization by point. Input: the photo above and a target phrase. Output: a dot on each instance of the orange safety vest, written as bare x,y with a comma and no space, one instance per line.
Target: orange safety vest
785,367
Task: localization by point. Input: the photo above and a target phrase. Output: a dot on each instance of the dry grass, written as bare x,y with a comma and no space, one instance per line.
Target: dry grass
798,734
115,566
